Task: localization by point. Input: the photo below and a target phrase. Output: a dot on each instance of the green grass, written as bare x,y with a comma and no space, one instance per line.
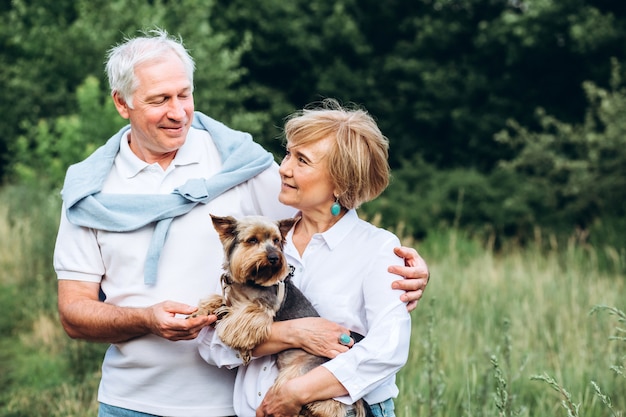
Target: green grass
489,325
42,371
508,334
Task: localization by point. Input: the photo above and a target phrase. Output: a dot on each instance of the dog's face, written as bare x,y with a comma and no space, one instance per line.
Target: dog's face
253,248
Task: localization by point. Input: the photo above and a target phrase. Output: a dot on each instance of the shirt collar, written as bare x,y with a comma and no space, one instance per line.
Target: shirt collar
130,165
340,230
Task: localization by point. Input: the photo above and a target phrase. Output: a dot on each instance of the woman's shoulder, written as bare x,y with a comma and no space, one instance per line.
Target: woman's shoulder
376,233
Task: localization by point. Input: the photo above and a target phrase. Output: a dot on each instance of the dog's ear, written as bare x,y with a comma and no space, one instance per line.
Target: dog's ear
225,226
285,226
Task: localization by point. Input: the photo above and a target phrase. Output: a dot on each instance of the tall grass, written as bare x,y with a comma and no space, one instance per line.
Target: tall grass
494,335
492,324
42,371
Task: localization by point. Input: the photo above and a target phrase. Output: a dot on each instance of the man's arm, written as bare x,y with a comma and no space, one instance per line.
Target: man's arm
415,273
84,316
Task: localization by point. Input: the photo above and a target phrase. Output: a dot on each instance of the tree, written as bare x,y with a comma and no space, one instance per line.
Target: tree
441,76
53,48
575,174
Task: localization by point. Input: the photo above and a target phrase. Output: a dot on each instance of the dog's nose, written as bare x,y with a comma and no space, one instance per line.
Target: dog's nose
273,258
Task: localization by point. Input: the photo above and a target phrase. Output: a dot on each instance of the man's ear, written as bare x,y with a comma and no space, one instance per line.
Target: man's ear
121,105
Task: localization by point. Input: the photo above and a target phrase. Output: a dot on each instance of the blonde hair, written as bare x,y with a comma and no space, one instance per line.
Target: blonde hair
357,158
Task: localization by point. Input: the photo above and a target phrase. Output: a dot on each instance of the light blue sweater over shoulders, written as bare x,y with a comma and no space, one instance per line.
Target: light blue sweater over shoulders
242,159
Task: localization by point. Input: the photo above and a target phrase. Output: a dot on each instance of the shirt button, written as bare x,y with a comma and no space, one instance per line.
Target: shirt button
259,393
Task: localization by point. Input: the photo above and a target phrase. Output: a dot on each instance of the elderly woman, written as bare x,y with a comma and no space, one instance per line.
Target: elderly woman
336,159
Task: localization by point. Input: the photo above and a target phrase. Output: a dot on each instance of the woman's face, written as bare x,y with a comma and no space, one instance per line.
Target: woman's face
306,182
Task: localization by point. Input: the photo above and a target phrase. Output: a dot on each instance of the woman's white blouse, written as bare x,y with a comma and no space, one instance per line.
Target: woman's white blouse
343,271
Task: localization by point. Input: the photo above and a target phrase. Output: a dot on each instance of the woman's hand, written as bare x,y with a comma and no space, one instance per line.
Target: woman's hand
280,402
317,336
287,398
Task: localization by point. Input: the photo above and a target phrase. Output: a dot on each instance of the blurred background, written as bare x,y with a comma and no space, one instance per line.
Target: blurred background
507,124
505,116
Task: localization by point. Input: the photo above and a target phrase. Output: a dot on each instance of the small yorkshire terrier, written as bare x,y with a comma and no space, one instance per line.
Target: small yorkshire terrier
256,291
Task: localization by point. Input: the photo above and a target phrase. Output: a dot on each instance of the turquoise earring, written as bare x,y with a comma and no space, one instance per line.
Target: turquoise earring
335,209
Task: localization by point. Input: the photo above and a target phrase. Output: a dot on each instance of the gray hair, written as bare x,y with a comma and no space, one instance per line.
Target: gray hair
150,47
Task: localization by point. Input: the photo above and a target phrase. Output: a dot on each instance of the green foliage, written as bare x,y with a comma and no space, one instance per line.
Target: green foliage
42,155
424,199
488,364
568,404
42,372
566,398
568,180
503,397
49,50
62,134
575,174
436,381
441,76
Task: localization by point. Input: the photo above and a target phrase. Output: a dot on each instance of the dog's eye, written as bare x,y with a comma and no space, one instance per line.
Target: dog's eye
253,241
276,241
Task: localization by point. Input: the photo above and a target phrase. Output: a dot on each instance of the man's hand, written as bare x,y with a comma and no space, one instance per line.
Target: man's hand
415,273
170,320
84,316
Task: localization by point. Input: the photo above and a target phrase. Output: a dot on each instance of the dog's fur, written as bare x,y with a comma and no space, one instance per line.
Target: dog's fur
255,268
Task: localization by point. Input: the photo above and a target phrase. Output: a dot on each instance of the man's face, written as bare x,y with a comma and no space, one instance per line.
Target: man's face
162,110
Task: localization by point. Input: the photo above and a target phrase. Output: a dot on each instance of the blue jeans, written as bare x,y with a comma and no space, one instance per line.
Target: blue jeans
382,409
107,410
